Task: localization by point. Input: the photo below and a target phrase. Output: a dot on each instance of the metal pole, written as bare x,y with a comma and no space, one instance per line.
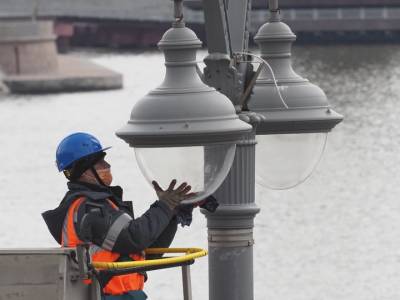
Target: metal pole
178,10
216,27
230,229
187,283
273,6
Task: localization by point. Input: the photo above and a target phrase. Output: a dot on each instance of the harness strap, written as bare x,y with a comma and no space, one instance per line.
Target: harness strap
96,175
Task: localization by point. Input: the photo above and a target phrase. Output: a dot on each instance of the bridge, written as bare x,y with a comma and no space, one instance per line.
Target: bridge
329,16
326,3
141,22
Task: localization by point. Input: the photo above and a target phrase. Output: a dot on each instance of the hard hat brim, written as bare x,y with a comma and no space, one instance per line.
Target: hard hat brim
63,168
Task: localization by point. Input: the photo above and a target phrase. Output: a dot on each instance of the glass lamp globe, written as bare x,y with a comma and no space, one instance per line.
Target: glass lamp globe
286,160
204,168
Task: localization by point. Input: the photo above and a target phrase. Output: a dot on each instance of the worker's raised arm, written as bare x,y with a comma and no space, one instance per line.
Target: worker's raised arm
116,231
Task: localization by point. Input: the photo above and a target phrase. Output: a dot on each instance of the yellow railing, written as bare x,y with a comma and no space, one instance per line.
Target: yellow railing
189,254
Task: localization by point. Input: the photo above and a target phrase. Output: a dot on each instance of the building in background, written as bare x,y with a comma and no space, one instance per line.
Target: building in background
332,20
140,23
342,20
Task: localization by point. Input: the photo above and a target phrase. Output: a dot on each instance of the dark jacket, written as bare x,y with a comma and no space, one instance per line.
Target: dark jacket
96,216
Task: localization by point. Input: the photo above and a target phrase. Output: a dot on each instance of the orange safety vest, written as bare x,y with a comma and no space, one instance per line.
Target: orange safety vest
119,284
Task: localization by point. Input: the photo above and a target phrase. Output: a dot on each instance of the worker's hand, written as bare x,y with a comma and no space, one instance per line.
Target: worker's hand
172,197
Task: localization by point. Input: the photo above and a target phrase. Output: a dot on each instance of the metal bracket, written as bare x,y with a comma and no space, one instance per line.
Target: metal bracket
235,78
187,283
84,261
223,76
74,274
227,25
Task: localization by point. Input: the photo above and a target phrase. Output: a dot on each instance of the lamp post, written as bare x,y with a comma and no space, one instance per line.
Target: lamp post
186,120
285,110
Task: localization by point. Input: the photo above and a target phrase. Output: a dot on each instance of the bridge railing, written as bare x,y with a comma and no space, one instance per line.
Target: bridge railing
334,13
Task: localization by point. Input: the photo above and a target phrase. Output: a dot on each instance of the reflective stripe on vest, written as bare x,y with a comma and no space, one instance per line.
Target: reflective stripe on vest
118,284
119,224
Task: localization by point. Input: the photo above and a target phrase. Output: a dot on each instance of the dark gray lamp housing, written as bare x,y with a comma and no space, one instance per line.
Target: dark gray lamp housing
293,131
307,109
184,129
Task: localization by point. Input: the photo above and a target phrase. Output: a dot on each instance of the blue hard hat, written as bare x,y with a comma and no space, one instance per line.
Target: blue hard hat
76,146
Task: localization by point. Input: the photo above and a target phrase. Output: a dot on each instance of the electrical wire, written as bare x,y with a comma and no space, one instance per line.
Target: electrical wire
272,74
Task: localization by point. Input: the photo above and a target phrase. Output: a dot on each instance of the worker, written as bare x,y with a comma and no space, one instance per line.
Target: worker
93,212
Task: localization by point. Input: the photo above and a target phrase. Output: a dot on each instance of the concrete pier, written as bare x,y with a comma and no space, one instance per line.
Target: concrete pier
30,63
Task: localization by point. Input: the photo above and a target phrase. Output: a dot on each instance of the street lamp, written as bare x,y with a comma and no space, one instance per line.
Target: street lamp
296,114
184,129
187,131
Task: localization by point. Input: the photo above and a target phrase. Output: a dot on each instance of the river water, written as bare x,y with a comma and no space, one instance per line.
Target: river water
335,237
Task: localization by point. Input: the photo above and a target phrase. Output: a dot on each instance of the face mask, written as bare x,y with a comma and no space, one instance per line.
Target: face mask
105,176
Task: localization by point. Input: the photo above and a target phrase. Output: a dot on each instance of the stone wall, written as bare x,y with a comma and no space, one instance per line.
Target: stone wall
27,47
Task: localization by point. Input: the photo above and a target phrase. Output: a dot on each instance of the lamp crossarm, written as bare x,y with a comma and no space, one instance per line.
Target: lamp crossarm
227,29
